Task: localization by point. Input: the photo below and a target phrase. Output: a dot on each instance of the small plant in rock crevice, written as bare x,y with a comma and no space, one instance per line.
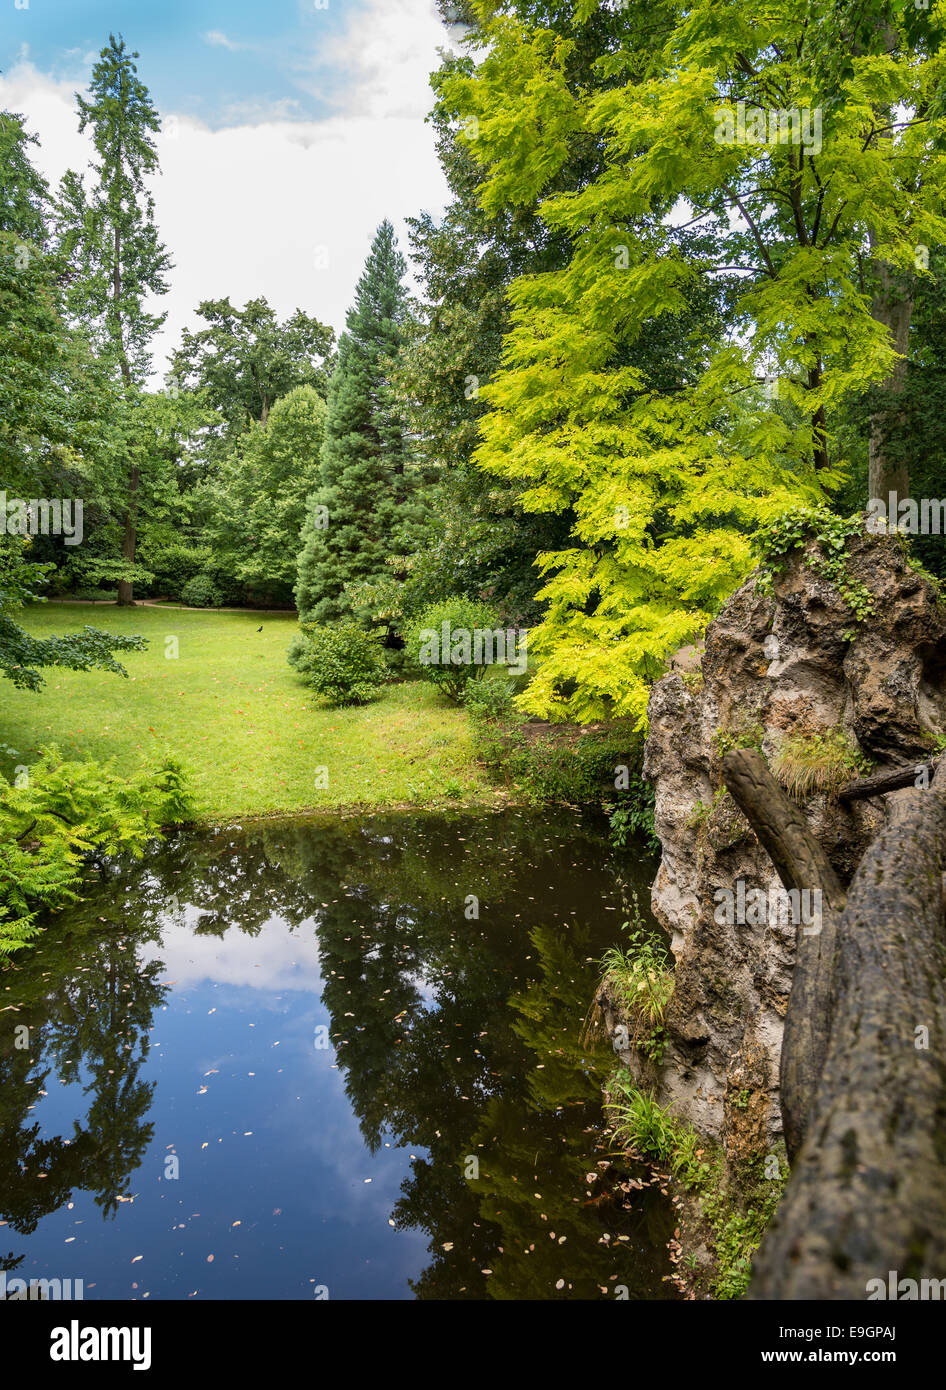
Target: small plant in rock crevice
794,529
818,762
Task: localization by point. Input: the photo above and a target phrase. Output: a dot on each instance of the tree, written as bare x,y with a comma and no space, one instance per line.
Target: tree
245,360
261,492
368,485
52,396
110,236
907,420
483,543
668,479
24,193
154,430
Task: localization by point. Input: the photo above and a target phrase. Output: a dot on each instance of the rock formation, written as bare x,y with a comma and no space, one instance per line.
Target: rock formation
776,669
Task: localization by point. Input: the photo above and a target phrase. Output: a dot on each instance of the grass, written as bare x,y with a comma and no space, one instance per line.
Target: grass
252,736
734,1204
813,762
650,1131
639,977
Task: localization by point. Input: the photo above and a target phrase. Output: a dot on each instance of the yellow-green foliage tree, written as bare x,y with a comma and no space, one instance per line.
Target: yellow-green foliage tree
807,141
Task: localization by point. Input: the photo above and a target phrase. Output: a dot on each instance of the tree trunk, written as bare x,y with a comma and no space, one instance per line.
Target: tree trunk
916,775
892,307
801,863
125,597
866,1200
130,538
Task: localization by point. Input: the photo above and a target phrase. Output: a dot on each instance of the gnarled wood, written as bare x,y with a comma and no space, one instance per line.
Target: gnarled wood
882,782
801,863
867,1194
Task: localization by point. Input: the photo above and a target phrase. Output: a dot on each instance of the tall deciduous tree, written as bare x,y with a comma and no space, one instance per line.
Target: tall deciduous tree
110,235
51,400
741,126
368,487
245,360
483,543
261,492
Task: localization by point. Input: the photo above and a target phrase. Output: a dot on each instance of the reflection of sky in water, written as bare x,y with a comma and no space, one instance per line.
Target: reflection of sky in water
239,1005
276,1182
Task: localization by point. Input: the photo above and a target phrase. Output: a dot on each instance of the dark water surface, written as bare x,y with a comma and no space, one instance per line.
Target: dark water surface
287,1061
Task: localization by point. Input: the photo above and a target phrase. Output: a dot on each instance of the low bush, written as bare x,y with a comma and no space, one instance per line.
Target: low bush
453,670
490,699
631,814
174,566
562,765
201,592
339,662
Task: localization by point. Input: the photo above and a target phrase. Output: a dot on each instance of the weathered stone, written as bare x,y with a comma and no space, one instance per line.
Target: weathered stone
774,666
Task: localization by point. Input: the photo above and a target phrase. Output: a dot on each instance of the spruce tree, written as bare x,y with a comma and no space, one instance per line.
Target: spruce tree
367,490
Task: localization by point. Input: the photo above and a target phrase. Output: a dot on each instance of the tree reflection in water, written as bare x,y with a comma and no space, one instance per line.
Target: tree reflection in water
455,1034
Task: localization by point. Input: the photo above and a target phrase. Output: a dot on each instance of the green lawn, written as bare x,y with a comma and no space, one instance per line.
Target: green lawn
229,704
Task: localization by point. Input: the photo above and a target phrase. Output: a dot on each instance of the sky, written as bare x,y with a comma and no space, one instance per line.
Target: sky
291,128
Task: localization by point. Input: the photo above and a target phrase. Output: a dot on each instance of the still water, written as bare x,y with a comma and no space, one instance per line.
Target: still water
338,1059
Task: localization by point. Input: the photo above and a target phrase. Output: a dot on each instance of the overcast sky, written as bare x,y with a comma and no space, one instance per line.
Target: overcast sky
289,133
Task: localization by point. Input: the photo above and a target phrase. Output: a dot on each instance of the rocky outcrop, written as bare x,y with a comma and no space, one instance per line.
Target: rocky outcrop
776,669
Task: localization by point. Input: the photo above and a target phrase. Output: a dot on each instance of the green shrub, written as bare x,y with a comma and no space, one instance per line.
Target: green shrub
632,814
175,565
451,675
339,661
201,592
60,814
562,766
490,699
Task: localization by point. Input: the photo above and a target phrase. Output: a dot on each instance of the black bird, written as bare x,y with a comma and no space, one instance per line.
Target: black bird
260,628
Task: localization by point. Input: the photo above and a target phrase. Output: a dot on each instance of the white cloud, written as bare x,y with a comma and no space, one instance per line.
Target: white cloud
256,208
387,53
220,40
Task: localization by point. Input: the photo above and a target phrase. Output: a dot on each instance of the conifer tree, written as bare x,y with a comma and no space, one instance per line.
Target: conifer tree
110,235
368,488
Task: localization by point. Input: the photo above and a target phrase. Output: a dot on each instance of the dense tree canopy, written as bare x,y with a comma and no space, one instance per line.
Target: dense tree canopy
668,479
245,359
690,274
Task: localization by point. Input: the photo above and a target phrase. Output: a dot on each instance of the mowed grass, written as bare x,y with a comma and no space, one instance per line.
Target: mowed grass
229,704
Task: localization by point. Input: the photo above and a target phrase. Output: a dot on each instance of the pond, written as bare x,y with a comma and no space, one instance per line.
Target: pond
306,1058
